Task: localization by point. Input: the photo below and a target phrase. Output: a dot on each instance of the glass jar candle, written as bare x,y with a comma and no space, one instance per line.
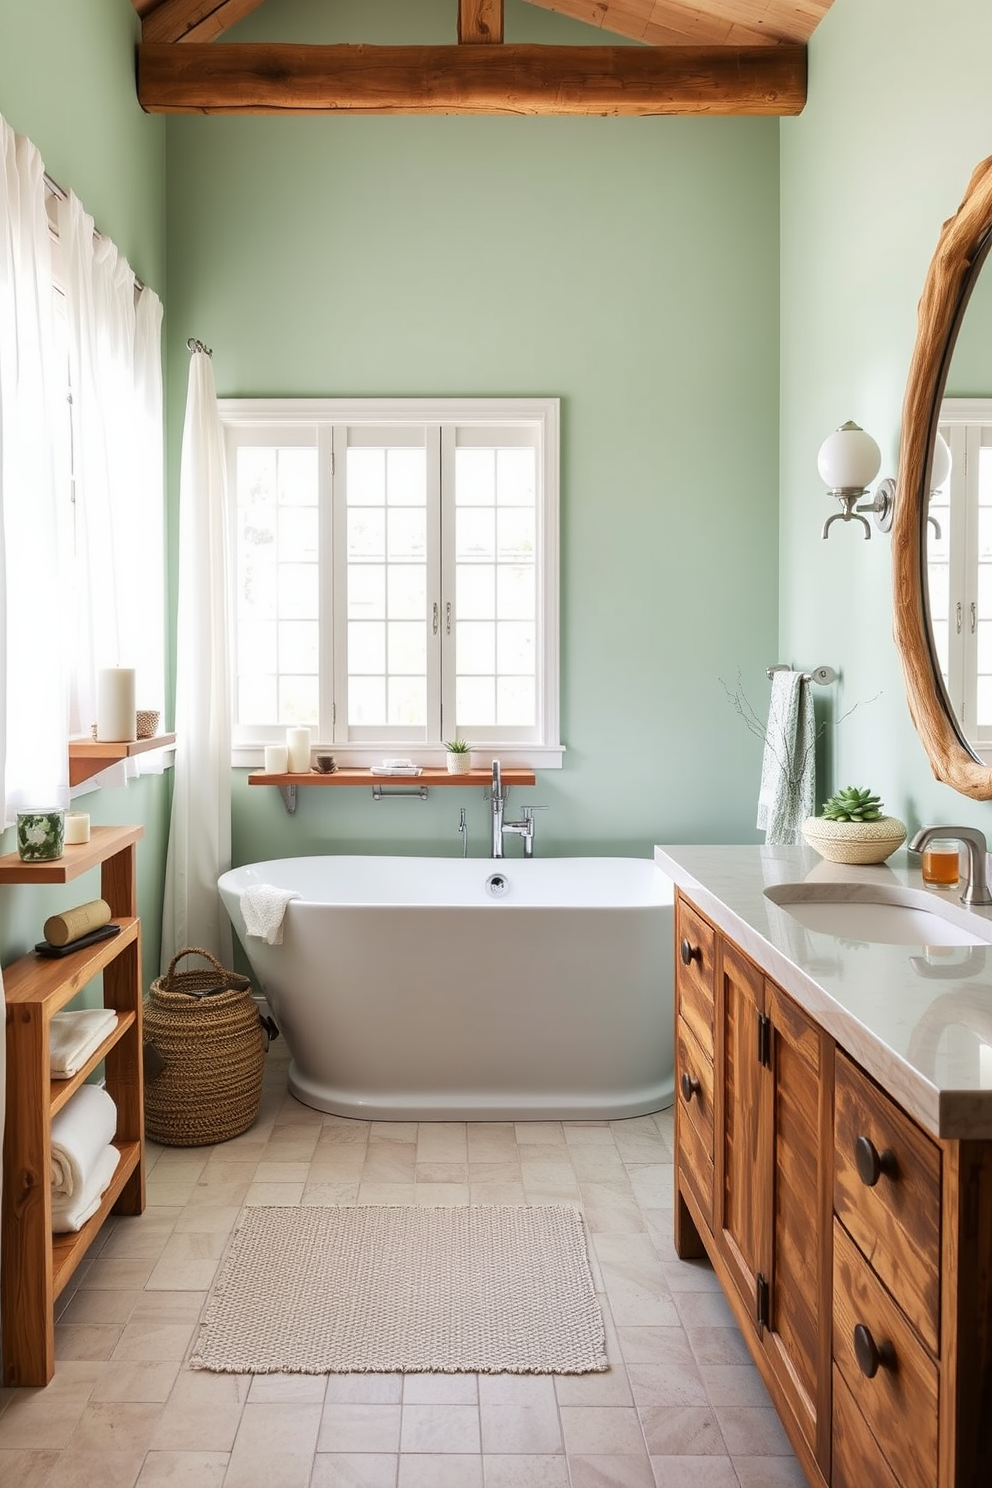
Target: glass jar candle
40,834
942,862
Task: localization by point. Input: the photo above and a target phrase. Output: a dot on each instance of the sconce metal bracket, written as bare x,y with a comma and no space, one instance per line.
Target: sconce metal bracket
883,508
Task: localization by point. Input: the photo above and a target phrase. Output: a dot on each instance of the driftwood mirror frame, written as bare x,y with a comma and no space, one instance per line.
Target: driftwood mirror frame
961,249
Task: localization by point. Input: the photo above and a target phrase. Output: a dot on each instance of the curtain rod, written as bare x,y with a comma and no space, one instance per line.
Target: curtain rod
56,190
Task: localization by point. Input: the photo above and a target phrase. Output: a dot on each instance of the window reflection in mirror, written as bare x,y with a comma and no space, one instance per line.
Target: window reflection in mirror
959,529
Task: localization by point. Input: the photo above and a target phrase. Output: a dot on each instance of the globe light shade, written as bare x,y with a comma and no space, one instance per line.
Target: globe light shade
849,459
940,465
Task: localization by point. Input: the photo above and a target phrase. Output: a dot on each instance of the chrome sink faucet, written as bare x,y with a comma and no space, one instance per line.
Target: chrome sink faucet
976,889
523,828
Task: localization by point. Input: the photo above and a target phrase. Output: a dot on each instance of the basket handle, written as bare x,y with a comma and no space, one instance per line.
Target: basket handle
194,951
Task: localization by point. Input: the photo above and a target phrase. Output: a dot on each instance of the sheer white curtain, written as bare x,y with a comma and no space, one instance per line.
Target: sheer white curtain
116,378
200,834
33,689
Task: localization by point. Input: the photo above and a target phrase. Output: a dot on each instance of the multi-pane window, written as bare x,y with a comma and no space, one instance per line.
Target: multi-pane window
396,572
959,568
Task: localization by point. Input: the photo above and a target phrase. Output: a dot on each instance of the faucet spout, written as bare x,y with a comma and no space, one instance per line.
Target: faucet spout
976,889
498,800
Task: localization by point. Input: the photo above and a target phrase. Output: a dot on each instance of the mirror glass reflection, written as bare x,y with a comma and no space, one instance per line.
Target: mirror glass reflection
958,527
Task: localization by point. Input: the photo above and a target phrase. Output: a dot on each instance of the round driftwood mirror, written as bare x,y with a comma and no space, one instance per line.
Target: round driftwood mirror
963,245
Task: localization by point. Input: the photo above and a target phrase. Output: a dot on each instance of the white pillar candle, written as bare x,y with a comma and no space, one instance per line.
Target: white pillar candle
116,716
77,827
276,759
298,745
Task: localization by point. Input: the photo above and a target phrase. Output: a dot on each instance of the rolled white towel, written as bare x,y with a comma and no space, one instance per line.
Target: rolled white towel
74,1036
263,906
71,1214
80,1133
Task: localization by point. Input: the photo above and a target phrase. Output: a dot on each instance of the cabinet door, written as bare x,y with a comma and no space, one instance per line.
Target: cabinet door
797,1335
742,1211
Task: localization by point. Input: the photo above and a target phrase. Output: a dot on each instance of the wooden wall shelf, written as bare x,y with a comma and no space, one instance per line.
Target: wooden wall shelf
87,757
427,777
35,1265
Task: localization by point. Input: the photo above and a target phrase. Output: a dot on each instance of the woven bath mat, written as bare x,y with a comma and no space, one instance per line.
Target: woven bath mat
480,1288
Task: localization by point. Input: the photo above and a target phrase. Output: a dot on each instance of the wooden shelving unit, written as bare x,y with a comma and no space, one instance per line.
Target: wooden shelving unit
35,1265
87,757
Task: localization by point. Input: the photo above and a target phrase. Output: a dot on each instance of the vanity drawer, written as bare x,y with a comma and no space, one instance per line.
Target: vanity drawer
694,1095
695,964
892,1379
887,1195
856,1460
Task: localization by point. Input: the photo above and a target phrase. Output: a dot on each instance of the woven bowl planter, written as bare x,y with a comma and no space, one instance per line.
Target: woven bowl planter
854,842
210,1086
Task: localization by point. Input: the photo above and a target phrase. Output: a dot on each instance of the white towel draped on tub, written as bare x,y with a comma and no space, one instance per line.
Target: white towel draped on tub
788,770
81,1132
72,1213
74,1036
263,906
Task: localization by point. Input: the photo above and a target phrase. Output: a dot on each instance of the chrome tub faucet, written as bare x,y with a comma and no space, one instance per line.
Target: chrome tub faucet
523,828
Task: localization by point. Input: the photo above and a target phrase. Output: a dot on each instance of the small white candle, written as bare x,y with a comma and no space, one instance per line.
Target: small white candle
116,716
298,745
77,827
276,759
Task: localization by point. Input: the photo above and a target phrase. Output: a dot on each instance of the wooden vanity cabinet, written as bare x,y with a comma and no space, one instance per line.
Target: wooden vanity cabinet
854,1248
770,1128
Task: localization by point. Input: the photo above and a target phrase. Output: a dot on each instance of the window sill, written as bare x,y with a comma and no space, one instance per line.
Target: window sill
357,759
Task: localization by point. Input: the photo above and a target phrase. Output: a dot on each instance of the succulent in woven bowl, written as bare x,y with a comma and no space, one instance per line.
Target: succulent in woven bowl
852,828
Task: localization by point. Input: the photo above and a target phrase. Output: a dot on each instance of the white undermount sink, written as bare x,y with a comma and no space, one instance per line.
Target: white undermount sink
881,913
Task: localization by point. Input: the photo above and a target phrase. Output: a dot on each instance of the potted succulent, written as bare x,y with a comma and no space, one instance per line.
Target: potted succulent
852,829
459,756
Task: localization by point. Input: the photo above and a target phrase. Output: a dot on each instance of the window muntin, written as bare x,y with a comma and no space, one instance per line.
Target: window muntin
402,586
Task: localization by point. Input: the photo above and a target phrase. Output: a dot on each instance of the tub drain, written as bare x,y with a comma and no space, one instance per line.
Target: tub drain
497,885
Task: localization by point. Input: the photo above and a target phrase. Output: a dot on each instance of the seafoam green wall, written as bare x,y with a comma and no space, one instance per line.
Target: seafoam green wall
899,113
67,82
627,266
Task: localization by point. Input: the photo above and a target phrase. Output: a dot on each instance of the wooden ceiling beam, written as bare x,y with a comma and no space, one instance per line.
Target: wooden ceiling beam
278,78
194,20
480,21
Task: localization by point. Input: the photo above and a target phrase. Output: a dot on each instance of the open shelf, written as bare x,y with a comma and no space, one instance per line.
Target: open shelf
429,777
104,843
87,757
68,1250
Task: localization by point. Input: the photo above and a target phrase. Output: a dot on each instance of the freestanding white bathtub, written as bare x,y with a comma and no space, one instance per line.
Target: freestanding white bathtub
470,989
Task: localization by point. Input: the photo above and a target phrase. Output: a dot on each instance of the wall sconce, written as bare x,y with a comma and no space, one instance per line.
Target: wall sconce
848,461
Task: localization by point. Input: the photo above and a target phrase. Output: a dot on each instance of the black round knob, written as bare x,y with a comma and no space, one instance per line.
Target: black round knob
871,1356
689,953
690,1085
871,1163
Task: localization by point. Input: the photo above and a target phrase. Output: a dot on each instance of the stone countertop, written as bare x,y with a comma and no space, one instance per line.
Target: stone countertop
917,1018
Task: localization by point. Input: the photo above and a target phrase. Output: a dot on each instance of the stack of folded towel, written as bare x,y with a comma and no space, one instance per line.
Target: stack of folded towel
74,1036
83,1159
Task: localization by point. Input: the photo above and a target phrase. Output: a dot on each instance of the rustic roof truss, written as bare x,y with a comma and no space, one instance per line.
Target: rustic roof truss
699,57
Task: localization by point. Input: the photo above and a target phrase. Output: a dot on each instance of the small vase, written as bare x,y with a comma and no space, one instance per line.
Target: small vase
40,835
459,764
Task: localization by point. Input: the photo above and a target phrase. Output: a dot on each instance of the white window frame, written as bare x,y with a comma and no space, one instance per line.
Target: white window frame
324,422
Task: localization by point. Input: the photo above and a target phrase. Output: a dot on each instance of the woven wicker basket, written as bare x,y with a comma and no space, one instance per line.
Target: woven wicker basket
210,1087
146,720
